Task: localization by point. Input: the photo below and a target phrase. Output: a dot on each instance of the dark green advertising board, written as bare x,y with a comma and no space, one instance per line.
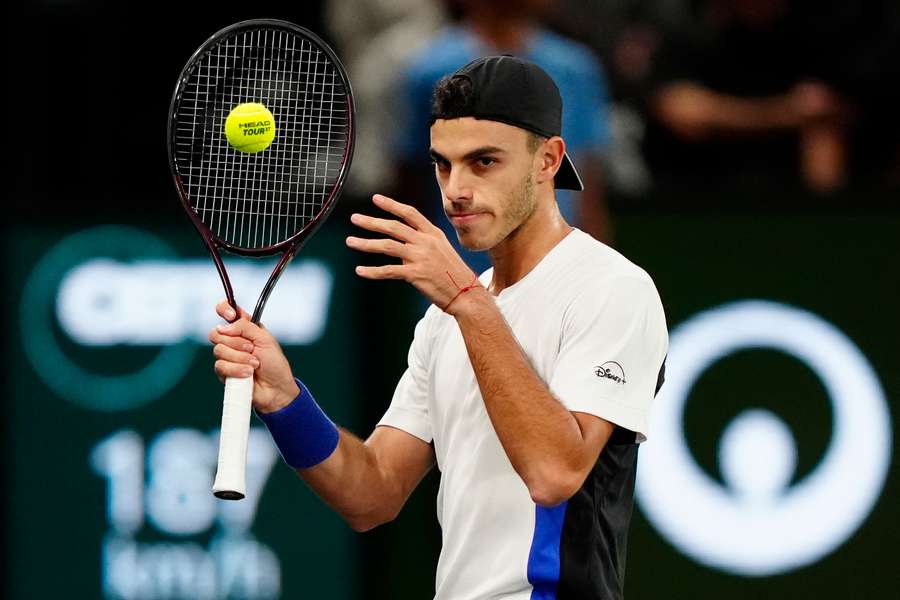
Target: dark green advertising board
771,471
113,415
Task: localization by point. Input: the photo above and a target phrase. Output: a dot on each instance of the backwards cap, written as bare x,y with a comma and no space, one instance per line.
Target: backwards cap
517,92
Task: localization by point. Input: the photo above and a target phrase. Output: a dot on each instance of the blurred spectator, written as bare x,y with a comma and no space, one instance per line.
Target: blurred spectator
759,90
510,26
376,39
749,84
722,93
625,34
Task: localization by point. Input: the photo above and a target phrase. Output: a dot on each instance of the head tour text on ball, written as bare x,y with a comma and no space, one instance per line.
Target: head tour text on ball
250,127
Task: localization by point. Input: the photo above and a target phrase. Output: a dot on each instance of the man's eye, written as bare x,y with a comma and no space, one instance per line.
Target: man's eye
485,161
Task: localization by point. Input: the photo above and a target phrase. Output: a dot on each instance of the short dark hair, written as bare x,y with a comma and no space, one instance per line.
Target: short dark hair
453,98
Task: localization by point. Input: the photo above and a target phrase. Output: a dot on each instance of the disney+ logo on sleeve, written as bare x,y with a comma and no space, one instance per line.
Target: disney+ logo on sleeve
611,370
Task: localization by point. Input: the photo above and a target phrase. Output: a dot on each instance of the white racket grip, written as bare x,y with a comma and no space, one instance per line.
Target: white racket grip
230,481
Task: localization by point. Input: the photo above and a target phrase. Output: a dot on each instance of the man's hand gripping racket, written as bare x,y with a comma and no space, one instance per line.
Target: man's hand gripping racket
261,132
245,349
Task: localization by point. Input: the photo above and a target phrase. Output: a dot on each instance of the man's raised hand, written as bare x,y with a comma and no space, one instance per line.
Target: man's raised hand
429,262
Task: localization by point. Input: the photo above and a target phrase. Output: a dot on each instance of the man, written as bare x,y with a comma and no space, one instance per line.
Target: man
529,387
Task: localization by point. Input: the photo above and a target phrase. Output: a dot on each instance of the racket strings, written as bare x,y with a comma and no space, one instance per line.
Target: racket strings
258,200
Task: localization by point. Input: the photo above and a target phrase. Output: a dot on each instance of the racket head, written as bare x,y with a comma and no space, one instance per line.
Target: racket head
268,202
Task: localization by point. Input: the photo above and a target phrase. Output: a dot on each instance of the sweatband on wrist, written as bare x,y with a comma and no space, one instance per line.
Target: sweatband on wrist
303,433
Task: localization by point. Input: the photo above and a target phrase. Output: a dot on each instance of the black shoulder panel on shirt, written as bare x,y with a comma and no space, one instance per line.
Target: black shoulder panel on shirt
594,536
661,378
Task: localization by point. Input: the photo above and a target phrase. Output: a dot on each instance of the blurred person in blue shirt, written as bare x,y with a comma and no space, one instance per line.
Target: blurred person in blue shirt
510,26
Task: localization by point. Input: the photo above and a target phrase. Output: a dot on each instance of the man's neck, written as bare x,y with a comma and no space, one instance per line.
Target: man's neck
524,248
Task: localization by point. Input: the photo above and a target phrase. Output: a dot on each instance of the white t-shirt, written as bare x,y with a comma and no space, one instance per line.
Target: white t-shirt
592,325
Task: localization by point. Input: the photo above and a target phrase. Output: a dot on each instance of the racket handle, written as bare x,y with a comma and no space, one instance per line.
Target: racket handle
230,481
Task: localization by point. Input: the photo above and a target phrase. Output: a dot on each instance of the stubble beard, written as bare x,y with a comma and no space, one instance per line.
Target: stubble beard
518,206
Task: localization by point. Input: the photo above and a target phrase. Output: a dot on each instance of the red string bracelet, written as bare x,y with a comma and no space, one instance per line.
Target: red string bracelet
475,283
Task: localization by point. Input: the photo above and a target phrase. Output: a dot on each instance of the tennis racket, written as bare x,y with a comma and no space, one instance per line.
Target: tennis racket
270,201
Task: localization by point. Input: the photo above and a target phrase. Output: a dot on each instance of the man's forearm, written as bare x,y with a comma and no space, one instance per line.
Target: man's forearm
350,482
541,437
367,483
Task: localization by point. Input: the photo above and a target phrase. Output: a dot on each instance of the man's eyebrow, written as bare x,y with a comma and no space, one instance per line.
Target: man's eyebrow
483,151
473,155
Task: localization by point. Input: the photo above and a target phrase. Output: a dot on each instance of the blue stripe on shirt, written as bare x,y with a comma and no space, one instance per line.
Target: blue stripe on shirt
543,559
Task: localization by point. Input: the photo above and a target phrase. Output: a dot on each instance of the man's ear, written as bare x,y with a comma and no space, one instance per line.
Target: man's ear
550,155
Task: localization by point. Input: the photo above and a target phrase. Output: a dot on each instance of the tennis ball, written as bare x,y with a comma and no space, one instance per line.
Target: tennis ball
250,127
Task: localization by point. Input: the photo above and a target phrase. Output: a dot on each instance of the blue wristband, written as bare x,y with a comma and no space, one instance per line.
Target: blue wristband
304,434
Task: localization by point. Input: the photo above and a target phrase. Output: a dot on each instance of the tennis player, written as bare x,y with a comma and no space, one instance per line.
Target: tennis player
530,386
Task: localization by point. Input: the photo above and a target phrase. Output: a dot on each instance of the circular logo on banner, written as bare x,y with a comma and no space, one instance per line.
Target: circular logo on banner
42,342
759,525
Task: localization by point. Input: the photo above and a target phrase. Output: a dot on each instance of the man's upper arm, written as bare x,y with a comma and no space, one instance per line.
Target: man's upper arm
596,432
402,458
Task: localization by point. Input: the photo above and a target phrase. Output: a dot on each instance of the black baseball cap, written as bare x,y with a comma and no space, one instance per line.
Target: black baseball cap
517,92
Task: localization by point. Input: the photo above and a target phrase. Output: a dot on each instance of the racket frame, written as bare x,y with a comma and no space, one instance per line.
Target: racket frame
290,246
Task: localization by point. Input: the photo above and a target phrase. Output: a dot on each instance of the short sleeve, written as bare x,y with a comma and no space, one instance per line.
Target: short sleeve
409,406
612,352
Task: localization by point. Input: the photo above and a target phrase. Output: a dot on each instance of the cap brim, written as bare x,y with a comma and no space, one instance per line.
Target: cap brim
567,177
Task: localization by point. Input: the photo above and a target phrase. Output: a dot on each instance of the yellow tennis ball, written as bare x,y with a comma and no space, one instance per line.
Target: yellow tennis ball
250,127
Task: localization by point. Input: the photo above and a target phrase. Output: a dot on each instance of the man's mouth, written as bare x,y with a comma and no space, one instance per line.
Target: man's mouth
462,218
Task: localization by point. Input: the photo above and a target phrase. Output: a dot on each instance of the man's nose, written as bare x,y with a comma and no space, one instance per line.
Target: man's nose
458,186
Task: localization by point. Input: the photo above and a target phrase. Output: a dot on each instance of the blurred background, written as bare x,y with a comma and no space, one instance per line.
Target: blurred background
746,153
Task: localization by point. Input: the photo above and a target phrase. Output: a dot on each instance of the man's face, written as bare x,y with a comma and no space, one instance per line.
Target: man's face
485,170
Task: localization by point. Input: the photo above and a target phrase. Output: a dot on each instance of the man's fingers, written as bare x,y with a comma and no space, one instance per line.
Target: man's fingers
232,341
382,272
229,354
389,247
243,327
225,369
406,212
395,229
225,310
